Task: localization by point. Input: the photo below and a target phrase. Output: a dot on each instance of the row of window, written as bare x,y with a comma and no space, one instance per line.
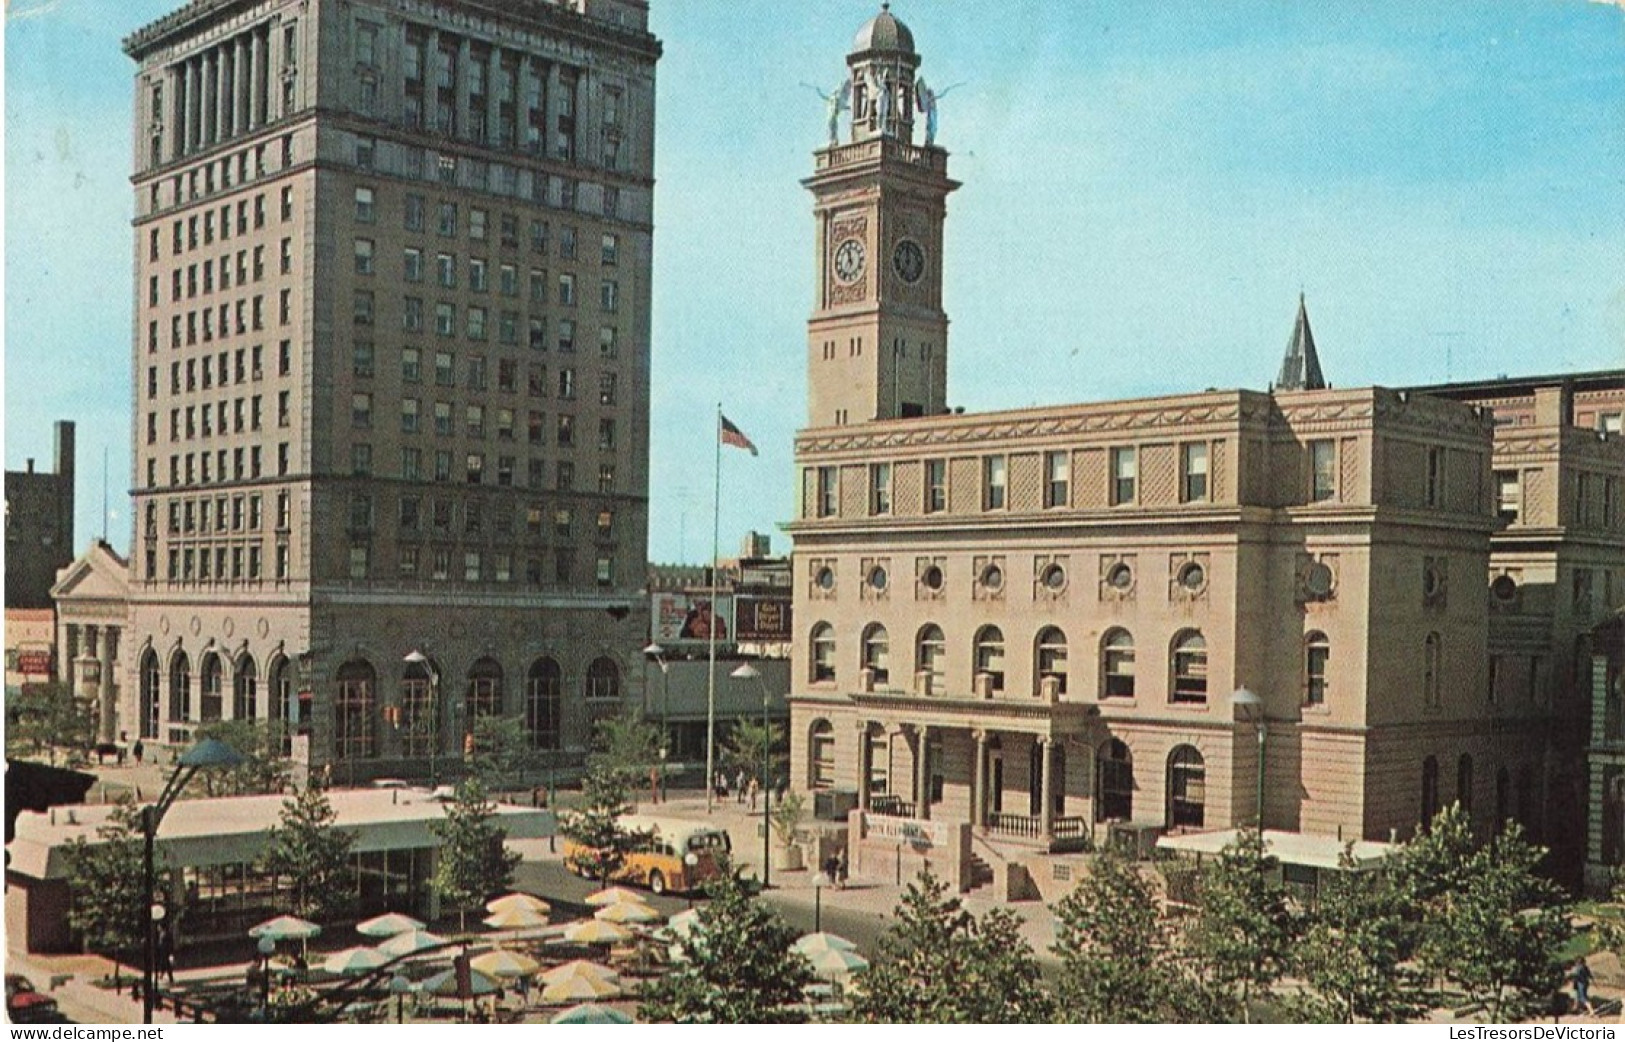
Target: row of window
474,422
479,324
439,514
479,566
234,169
237,464
450,220
1187,662
227,368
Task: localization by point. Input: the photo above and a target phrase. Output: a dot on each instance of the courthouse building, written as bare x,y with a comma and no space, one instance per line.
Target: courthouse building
1028,625
391,359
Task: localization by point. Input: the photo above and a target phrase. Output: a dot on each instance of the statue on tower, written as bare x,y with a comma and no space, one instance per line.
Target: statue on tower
925,100
835,102
880,93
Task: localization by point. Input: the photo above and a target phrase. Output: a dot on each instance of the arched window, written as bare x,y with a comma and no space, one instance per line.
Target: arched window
821,755
418,725
823,653
245,689
1189,662
152,682
877,653
1187,788
353,706
180,688
1430,670
1430,791
212,705
1051,658
989,656
1114,782
1117,665
280,705
544,703
1317,653
603,679
484,697
930,651
1464,783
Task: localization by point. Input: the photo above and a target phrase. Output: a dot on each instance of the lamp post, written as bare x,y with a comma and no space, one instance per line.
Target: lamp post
692,860
748,672
211,752
418,658
657,654
1251,706
819,882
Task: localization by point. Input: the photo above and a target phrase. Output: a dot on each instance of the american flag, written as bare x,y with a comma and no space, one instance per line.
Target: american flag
732,435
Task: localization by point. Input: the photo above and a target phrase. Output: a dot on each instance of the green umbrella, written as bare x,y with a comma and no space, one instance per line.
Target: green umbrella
593,1013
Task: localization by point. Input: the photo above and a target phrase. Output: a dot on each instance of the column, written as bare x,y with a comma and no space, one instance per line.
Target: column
108,729
240,85
67,646
222,93
209,95
460,91
174,88
189,107
922,772
256,78
550,104
493,104
978,784
865,767
1046,808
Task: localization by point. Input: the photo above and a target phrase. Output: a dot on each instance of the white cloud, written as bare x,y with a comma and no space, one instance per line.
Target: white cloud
31,8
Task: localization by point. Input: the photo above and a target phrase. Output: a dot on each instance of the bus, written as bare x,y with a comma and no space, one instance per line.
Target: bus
662,861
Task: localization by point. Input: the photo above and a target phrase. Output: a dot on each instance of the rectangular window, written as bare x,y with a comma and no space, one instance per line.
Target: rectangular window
1057,478
611,250
828,488
1435,478
412,265
363,256
1322,470
442,419
409,415
363,203
879,488
1508,496
567,290
412,215
1193,485
445,319
936,486
444,369
994,483
1125,475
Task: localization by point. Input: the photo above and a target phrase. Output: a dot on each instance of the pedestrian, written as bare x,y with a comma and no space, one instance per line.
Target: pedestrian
138,750
721,785
840,870
739,785
1580,977
752,790
166,952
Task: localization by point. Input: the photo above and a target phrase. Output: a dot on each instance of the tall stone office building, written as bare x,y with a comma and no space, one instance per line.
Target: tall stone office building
391,359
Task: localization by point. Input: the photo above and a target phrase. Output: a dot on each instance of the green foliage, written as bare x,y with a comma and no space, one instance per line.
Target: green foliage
308,851
601,843
1244,931
48,720
742,750
502,752
787,816
737,966
263,771
939,964
108,906
472,863
1352,955
625,746
1114,948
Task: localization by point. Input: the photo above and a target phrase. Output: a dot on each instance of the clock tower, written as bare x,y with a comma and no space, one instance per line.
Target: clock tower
878,337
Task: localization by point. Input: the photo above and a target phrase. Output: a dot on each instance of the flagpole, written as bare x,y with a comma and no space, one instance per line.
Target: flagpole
711,674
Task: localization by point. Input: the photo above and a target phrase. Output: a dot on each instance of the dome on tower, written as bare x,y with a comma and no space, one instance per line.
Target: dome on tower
884,32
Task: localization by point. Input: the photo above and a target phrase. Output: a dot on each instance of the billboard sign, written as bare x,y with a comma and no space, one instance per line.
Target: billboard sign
679,618
763,620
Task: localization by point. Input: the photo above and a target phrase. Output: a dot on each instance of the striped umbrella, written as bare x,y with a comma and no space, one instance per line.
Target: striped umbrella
352,961
388,925
515,917
411,943
500,962
613,896
578,968
517,900
593,1013
596,931
627,912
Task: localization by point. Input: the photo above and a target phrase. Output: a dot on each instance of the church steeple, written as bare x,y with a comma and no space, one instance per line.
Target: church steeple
1300,369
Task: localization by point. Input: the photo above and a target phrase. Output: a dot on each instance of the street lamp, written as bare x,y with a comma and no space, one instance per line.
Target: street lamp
419,659
819,882
210,752
744,673
1252,707
657,654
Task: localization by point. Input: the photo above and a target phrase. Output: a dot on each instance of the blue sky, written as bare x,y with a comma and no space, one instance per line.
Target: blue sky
1147,188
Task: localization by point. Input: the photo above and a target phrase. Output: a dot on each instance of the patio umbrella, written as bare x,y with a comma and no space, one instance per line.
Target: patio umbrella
580,989
500,962
613,896
351,961
837,963
410,943
444,984
682,924
388,925
515,916
286,928
577,968
596,931
818,942
517,900
627,912
593,1013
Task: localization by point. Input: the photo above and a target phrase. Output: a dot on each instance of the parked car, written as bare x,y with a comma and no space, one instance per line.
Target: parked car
26,1004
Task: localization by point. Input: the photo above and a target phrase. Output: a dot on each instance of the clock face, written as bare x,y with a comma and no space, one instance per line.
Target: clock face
909,260
849,260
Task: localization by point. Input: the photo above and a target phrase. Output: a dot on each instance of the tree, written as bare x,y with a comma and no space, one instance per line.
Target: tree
939,964
263,770
43,719
309,851
472,862
601,844
1354,948
108,906
1114,948
1242,938
502,752
1499,934
743,749
737,966
625,746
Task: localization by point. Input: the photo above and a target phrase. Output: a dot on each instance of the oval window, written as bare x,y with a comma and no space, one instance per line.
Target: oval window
1192,576
877,578
825,578
1053,578
1120,577
932,578
1504,588
993,577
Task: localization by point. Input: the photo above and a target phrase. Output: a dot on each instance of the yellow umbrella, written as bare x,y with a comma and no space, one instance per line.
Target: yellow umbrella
614,896
500,962
535,904
577,968
580,989
596,931
627,912
514,917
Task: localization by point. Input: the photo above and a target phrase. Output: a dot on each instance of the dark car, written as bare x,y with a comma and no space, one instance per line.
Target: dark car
26,1004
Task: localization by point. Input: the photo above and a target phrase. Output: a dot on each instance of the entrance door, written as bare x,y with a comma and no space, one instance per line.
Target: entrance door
995,784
